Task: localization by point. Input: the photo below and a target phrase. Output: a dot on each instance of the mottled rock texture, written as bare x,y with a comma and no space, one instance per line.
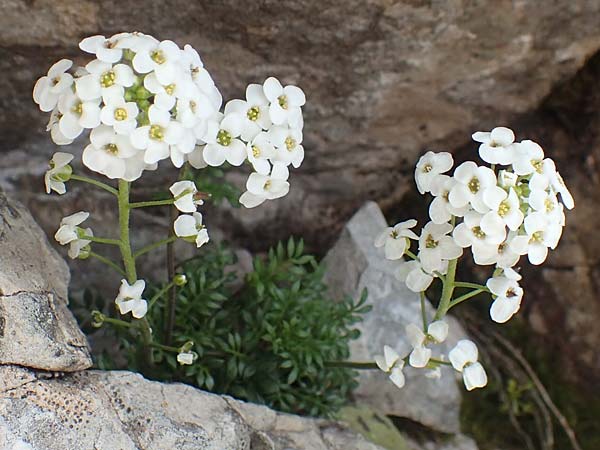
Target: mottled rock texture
122,411
386,80
36,327
354,264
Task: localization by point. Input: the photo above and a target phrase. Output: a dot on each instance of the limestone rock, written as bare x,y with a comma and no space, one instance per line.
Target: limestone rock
353,264
36,328
122,411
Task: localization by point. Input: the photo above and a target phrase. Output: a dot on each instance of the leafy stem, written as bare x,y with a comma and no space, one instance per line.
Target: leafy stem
96,183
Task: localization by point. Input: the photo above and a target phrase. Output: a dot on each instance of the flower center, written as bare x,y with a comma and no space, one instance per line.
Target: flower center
55,81
394,234
503,208
253,113
537,237
255,151
267,185
537,165
107,79
474,185
510,292
495,144
157,132
120,114
169,89
111,149
283,101
427,168
502,248
200,227
193,106
549,204
430,242
446,196
158,57
478,232
290,143
77,108
224,138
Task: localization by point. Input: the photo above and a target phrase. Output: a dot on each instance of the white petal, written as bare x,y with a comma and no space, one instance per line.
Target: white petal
438,330
272,89
419,357
464,352
474,376
397,377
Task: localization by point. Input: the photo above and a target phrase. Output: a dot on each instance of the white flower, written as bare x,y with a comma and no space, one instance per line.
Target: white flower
484,244
473,181
54,128
288,143
285,102
103,78
504,256
161,58
190,228
184,192
77,114
437,332
440,209
505,209
547,204
119,114
130,299
255,111
507,179
416,279
59,172
157,137
108,152
165,96
186,358
508,296
540,235
222,143
193,107
559,186
68,230
496,146
260,150
464,359
104,49
392,364
435,246
266,187
528,158
48,89
395,240
429,167
78,248
196,157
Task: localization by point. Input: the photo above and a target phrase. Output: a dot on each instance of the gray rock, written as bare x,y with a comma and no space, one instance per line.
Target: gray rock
353,264
455,442
36,328
122,411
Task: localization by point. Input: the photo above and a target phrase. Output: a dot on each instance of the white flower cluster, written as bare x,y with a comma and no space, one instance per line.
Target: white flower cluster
500,213
146,100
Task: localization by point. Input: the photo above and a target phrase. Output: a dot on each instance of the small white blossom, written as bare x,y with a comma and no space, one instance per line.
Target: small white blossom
184,193
429,167
186,358
47,90
54,128
69,226
473,181
104,49
266,187
440,209
540,235
157,137
78,248
508,295
108,152
119,114
288,143
395,240
255,111
528,158
437,332
285,102
505,209
260,150
464,359
496,146
129,299
435,247
416,279
59,171
161,59
223,143
507,179
103,78
191,228
484,244
77,114
391,363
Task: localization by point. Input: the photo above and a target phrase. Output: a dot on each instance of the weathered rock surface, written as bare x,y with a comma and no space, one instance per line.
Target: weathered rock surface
122,411
354,264
457,442
36,328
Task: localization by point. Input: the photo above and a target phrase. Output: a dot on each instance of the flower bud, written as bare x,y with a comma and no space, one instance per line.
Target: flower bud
97,319
180,280
186,347
84,253
507,179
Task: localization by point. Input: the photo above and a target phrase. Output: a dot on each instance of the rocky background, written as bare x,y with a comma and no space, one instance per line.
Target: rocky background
385,81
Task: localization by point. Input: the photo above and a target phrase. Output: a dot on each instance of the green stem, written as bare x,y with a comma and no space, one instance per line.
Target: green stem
463,284
169,201
447,291
151,247
165,347
410,254
108,262
117,322
352,365
129,260
462,298
423,313
96,183
159,294
100,240
439,361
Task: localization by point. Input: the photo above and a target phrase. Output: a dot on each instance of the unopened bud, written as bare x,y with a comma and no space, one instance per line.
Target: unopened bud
180,279
507,179
97,319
